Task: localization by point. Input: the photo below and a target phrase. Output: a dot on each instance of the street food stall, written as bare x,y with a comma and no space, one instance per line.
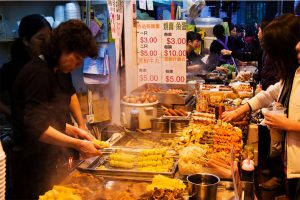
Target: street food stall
170,125
192,141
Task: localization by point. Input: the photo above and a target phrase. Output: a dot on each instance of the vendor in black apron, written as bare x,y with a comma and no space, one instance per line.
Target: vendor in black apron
39,109
224,42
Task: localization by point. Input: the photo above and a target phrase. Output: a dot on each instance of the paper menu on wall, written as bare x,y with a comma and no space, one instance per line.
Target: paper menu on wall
174,51
148,50
161,51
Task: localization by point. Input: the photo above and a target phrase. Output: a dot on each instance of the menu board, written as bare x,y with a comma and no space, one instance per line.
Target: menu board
161,47
174,52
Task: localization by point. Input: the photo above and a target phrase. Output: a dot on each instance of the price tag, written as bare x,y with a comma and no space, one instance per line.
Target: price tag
174,52
161,51
149,52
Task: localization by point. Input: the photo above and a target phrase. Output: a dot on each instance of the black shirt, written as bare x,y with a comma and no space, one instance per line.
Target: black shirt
233,45
267,74
40,99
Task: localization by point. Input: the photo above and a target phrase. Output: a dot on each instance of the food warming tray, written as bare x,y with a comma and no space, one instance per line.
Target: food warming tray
140,140
91,166
167,98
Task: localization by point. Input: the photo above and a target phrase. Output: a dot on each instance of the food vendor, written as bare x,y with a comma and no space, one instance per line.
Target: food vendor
33,29
191,45
223,42
39,110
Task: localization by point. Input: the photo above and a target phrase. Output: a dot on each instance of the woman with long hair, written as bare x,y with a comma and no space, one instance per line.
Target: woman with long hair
280,38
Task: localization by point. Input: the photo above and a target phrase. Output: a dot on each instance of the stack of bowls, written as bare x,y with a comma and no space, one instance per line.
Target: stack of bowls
50,20
72,11
2,172
59,15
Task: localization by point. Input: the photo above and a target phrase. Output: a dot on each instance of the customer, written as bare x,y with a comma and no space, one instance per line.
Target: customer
33,31
267,75
279,40
40,104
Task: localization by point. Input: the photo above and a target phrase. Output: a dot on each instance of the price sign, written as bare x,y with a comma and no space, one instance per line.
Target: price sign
161,51
115,8
149,52
174,51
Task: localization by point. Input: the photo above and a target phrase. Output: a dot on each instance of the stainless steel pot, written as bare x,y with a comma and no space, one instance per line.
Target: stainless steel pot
160,125
178,124
203,186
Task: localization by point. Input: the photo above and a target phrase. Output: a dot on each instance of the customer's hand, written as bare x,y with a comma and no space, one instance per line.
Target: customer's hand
277,121
230,116
87,149
236,114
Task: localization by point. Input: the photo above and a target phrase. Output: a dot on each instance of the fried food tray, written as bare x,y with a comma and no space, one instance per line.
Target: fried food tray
91,166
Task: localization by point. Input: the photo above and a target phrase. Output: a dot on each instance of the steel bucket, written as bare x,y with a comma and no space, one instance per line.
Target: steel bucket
203,186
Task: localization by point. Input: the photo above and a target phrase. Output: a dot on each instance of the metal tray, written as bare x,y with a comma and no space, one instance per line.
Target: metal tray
165,98
90,165
139,140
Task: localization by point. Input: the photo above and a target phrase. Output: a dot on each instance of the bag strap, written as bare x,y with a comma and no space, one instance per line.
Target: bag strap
226,47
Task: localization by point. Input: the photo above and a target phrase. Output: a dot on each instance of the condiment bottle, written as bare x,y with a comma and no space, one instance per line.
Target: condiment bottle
134,119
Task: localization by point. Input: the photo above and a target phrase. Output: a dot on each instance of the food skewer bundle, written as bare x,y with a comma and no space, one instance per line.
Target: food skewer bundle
203,118
220,161
227,137
175,112
154,160
121,160
192,134
221,137
102,144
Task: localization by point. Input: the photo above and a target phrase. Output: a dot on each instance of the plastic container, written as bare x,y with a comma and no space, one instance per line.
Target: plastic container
147,111
134,119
